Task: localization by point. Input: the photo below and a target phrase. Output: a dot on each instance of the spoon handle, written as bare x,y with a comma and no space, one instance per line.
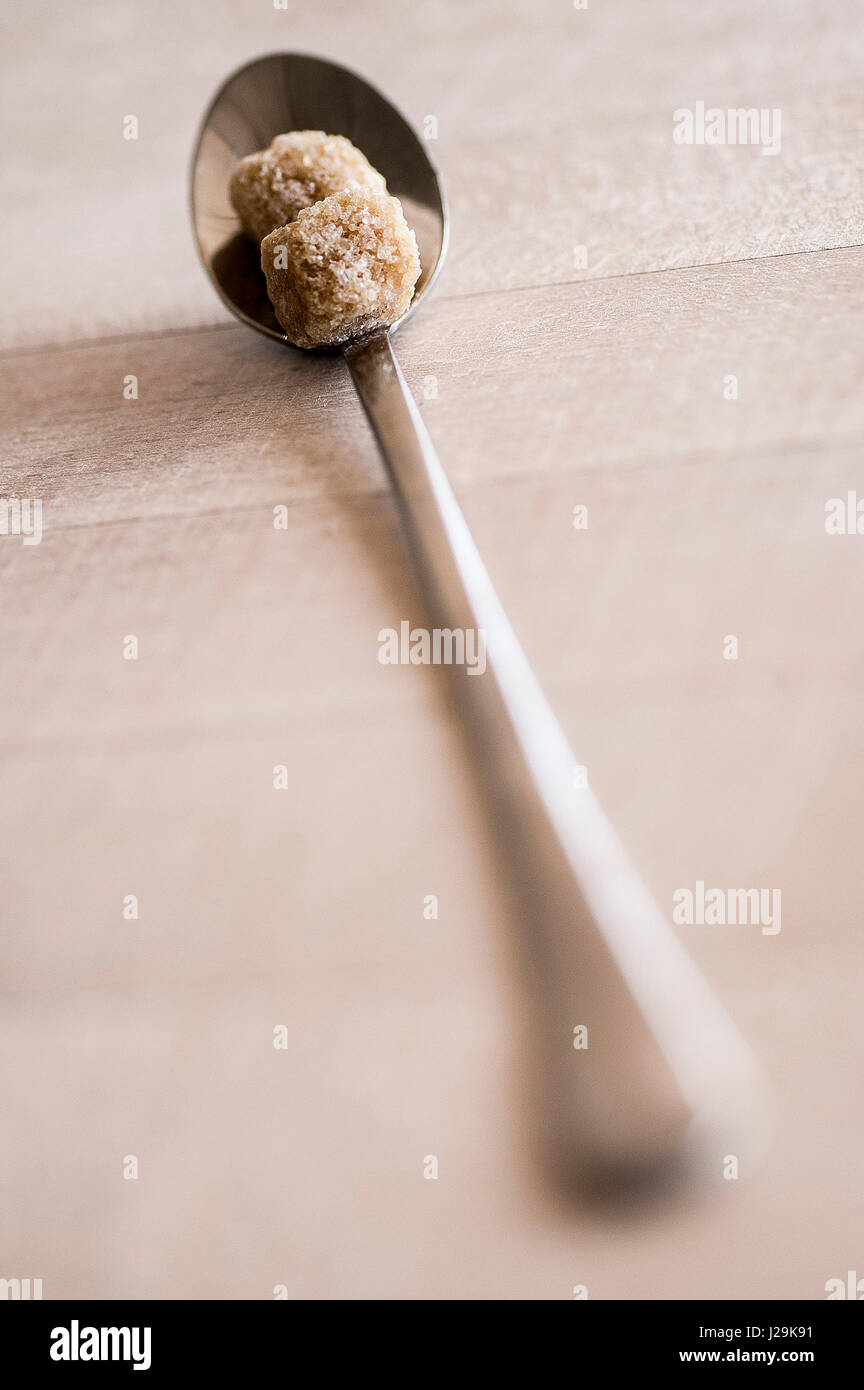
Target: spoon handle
640,1068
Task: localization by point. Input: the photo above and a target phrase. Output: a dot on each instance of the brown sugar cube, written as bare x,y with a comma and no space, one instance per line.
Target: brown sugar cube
346,265
271,187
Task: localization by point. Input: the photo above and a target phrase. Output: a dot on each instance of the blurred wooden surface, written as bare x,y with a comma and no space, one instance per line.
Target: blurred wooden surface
553,386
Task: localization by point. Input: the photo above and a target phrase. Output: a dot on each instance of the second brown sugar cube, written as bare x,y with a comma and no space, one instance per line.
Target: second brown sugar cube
272,186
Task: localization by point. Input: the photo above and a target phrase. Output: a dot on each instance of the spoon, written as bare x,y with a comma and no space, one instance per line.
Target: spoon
643,1077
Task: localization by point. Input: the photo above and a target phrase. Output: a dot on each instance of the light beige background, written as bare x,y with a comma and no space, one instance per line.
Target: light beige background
555,386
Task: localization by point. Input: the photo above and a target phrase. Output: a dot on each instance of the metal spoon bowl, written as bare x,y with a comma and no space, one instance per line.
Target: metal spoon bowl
294,91
664,1085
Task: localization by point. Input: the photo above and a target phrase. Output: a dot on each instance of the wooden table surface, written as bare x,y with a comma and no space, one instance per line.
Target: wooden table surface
549,379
